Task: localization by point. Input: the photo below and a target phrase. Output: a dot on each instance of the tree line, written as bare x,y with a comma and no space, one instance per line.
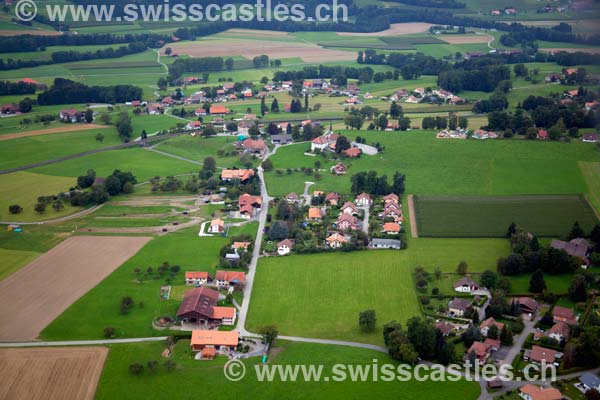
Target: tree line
65,91
10,88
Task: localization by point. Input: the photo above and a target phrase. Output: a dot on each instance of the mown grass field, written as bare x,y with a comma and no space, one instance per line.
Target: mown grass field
448,167
190,375
32,149
23,188
321,295
99,308
489,216
143,163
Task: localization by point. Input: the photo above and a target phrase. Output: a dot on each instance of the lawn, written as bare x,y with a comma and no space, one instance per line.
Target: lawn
99,308
558,284
489,216
191,375
452,167
321,295
23,188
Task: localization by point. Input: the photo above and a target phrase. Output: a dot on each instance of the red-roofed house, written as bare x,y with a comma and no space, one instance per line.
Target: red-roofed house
559,332
332,198
254,146
564,314
391,228
488,323
213,339
347,222
197,278
533,392
199,306
353,152
226,279
364,200
542,134
539,354
285,247
218,110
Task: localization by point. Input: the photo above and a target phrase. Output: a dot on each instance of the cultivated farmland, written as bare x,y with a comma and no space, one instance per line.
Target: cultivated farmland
51,373
490,216
45,288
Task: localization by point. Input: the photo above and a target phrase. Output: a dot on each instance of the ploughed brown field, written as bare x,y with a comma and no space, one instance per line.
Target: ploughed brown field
34,296
310,53
49,131
51,373
405,28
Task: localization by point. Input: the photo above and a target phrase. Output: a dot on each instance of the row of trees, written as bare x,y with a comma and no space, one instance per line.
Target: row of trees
369,182
66,91
12,88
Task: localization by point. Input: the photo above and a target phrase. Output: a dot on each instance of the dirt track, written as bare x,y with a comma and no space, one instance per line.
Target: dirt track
61,129
34,296
51,373
414,230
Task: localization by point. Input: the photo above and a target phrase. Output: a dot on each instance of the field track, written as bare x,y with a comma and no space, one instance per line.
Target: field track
41,291
62,129
414,230
51,373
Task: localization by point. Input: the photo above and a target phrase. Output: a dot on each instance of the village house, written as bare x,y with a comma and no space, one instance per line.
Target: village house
237,246
248,205
465,285
539,354
252,146
154,109
70,115
315,214
591,138
291,198
244,127
223,341
8,109
482,134
332,199
193,126
347,222
216,226
229,279
336,240
527,305
218,110
458,306
533,392
391,228
197,278
199,306
542,134
589,381
559,332
391,198
385,244
324,142
243,175
363,200
349,208
564,314
579,248
483,350
339,169
285,247
485,326
445,327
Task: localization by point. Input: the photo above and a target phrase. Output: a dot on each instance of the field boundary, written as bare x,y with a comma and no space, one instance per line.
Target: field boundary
414,229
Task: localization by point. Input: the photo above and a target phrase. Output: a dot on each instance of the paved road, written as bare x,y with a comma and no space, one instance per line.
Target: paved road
306,195
84,342
365,225
262,220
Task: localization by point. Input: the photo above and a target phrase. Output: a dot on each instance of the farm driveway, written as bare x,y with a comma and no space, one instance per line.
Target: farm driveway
34,296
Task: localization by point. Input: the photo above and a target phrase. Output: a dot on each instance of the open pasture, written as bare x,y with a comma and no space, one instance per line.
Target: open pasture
490,216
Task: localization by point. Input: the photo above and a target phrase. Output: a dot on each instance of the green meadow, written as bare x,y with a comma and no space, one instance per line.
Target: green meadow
321,295
448,167
189,375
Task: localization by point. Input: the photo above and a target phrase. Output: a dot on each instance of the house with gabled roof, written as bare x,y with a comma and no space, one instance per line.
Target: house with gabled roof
539,354
336,240
232,174
347,222
226,279
534,392
458,306
559,332
223,341
363,200
465,285
332,198
349,208
216,226
564,314
485,326
285,247
197,278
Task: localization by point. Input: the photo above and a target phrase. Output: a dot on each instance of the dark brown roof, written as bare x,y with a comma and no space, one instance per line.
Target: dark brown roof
201,300
576,247
459,304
